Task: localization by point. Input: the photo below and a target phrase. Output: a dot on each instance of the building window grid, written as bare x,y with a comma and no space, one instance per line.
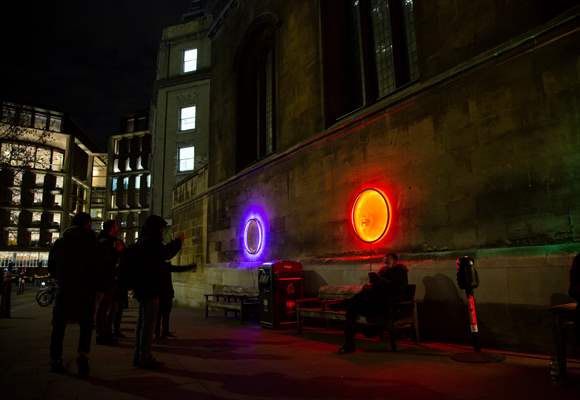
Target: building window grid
187,118
39,179
38,196
409,15
15,196
12,237
14,217
36,216
383,46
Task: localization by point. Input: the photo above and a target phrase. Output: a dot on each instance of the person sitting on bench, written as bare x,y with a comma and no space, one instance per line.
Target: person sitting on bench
375,299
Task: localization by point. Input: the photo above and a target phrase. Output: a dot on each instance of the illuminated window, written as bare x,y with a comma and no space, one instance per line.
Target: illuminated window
126,182
15,197
55,123
58,200
40,121
42,159
149,180
54,236
18,178
97,213
128,164
113,201
189,60
186,158
12,238
38,195
36,216
14,215
34,237
138,182
116,165
39,179
59,182
136,235
187,118
116,146
56,218
114,184
57,161
139,163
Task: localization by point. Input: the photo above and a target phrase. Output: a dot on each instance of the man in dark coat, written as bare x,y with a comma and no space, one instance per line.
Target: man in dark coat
72,262
375,299
149,257
166,300
110,249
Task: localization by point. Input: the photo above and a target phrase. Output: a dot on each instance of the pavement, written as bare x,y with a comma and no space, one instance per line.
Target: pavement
218,358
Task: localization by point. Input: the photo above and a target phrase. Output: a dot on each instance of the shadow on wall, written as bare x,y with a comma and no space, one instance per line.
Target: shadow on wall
442,313
312,282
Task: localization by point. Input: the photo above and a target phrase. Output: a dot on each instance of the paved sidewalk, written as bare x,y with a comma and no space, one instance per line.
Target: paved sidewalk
219,359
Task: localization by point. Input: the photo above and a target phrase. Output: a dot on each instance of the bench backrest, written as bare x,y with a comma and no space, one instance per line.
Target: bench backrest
237,290
334,292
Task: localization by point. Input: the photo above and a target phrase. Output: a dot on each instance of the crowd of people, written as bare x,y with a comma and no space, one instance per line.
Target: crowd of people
94,275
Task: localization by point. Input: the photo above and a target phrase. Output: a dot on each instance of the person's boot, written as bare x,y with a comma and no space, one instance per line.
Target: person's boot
83,365
57,366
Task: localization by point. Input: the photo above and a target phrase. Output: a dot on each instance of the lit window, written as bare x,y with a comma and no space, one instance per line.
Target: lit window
54,236
113,202
57,161
36,216
126,182
34,237
18,179
114,184
136,235
59,182
116,165
128,164
189,60
55,123
37,196
12,238
58,200
14,214
15,196
138,182
186,158
139,163
40,121
116,146
56,218
97,213
187,118
39,179
149,180
42,159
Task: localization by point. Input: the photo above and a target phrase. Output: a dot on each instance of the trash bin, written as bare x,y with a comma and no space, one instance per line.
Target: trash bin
280,284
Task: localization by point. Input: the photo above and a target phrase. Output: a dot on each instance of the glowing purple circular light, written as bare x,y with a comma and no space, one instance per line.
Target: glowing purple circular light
253,236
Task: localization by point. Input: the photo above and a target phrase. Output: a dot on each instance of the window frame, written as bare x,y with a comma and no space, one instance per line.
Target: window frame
182,119
194,60
189,159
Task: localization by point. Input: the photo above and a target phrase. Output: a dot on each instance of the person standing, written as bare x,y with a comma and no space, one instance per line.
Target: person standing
72,263
375,299
6,289
110,249
166,296
147,259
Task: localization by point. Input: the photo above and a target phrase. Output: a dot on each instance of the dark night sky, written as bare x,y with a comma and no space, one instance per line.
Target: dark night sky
92,59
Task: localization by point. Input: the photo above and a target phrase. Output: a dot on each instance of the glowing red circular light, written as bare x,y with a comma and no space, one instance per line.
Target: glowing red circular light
371,215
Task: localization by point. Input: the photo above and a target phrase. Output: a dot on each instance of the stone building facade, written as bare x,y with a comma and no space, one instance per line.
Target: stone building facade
180,109
465,115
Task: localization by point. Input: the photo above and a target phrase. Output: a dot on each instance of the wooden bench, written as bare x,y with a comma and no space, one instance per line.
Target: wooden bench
562,321
240,300
321,307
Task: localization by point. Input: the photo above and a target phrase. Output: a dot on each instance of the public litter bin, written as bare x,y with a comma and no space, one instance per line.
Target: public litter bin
280,284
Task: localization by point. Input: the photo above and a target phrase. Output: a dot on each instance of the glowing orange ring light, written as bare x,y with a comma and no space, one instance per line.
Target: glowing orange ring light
371,215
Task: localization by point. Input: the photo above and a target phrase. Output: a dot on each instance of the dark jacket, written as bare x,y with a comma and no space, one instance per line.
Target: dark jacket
151,256
108,259
167,290
73,258
389,283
